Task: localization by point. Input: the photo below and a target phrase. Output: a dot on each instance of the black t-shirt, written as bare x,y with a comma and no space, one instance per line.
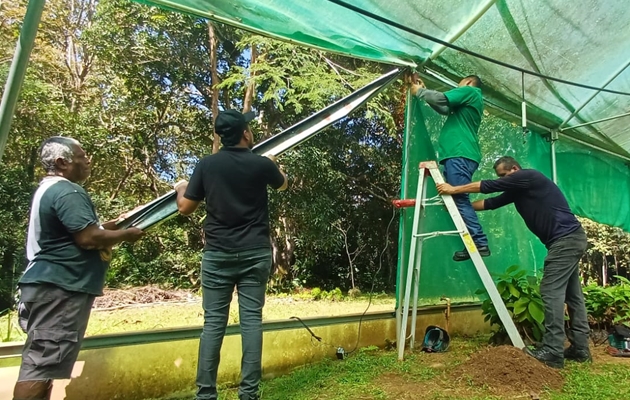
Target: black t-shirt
539,201
234,184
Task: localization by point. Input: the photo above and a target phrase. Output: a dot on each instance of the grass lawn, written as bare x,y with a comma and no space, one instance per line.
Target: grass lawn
373,374
161,316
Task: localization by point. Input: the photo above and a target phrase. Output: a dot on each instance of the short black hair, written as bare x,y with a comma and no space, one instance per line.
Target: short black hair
476,80
508,162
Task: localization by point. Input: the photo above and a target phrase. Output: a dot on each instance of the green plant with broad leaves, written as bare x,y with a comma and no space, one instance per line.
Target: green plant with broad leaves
521,295
608,305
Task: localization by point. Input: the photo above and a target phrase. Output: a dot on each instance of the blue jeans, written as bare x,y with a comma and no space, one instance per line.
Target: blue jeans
220,273
457,172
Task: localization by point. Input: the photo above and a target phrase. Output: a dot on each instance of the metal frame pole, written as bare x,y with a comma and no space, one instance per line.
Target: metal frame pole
626,114
19,64
554,172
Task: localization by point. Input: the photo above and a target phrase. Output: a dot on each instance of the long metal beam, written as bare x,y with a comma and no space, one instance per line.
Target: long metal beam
583,143
627,114
467,25
18,68
608,81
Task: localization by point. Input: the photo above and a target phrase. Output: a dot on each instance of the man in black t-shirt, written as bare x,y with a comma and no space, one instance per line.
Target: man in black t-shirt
546,213
233,183
68,253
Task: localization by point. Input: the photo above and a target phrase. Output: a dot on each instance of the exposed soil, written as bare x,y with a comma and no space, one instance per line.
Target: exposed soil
114,298
507,369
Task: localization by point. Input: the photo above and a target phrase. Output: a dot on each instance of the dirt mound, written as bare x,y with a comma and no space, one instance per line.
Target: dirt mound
140,295
508,369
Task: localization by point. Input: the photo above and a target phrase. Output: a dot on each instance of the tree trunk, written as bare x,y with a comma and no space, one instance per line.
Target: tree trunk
283,250
604,271
251,85
214,44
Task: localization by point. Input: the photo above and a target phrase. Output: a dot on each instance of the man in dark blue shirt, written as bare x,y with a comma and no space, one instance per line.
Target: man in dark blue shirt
547,214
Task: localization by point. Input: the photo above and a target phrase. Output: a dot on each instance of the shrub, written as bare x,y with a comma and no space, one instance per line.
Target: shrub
610,305
521,295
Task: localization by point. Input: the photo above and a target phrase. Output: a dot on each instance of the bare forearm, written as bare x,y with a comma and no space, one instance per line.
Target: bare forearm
103,238
473,187
478,205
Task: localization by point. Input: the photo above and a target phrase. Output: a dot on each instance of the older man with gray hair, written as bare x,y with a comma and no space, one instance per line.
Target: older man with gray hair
68,253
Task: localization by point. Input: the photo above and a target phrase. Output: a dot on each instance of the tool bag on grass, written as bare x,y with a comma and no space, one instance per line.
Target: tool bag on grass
619,341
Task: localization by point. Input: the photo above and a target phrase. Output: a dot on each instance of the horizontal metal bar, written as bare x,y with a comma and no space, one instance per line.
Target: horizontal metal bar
434,234
627,114
14,349
592,146
467,25
591,97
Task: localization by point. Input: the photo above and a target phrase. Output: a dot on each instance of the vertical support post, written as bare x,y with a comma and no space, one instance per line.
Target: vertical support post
403,213
554,173
18,68
418,264
411,264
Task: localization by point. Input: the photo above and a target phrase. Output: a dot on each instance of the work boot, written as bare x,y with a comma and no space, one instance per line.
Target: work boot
484,251
579,355
32,390
545,357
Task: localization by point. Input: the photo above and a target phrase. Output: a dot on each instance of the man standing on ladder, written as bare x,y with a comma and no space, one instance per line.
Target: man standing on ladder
458,146
547,214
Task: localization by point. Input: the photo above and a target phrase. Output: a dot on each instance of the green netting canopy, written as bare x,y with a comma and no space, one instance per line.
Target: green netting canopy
566,40
546,44
585,42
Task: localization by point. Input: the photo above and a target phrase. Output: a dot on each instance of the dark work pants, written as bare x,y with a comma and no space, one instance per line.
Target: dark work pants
220,273
561,284
459,171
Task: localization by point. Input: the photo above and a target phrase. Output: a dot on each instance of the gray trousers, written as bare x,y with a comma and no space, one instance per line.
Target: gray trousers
220,273
561,284
55,321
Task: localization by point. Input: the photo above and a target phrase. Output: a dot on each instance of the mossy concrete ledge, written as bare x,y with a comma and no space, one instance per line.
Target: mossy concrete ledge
135,366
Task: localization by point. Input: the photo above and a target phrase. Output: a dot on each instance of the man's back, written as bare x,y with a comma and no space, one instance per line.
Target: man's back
234,184
459,135
540,202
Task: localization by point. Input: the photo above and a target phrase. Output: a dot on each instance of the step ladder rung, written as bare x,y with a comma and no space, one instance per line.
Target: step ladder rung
437,233
428,170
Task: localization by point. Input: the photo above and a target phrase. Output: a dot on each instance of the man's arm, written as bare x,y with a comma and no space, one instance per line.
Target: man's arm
445,188
112,225
76,212
437,100
519,180
185,206
93,237
277,175
478,205
190,194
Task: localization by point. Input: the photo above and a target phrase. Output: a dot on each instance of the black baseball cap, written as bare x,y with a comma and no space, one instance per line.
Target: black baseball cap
230,124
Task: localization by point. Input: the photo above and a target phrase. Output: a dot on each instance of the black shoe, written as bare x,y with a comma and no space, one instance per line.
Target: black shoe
545,357
579,355
484,251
